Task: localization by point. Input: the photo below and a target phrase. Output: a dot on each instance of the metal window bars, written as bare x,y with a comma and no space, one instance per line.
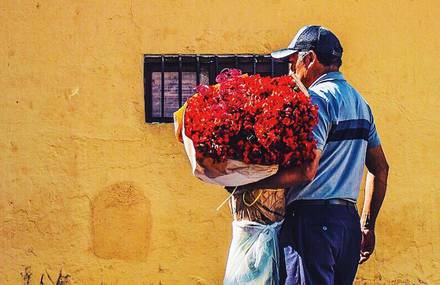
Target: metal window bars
164,67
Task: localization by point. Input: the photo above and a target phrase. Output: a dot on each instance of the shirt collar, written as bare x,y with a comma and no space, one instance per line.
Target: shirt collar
331,76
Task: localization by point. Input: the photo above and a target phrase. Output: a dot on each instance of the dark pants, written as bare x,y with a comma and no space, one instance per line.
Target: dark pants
327,237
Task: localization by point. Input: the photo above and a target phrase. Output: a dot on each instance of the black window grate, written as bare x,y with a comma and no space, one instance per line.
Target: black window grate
170,79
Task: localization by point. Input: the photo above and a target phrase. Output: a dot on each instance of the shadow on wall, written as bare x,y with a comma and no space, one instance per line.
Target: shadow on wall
121,220
121,228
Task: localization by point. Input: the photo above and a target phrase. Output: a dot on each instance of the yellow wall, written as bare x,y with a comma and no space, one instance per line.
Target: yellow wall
87,186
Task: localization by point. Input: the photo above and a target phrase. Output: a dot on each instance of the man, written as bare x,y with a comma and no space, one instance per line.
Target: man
322,223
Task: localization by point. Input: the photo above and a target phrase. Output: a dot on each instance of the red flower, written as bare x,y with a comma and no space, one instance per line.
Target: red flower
255,119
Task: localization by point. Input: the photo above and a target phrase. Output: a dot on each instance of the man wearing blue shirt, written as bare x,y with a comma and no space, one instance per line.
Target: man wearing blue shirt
322,223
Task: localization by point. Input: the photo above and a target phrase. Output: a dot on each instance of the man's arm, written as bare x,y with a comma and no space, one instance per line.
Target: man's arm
298,176
286,177
375,189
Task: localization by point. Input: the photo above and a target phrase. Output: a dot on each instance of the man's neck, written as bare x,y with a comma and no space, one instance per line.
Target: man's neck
319,73
331,69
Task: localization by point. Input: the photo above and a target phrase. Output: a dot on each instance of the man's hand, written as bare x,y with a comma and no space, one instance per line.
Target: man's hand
367,244
296,176
375,189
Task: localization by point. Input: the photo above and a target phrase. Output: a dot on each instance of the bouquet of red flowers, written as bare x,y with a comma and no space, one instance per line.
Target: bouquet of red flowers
247,125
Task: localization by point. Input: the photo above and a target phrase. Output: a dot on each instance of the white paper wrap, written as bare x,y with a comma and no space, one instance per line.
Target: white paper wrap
229,173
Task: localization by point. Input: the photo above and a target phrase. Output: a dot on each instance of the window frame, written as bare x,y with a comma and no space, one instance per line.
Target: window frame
214,63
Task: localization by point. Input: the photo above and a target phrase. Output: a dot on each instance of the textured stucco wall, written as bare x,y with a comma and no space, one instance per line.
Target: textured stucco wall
87,186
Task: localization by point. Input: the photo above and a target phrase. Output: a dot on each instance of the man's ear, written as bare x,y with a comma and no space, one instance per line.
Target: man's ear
311,59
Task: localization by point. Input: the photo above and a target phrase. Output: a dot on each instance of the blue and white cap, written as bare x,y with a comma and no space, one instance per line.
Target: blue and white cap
316,38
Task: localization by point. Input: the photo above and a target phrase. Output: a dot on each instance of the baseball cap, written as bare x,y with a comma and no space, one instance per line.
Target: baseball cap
316,38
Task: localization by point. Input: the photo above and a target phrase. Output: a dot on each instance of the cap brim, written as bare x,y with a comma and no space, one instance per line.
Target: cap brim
283,53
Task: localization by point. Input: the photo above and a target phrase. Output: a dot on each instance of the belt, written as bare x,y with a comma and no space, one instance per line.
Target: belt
321,202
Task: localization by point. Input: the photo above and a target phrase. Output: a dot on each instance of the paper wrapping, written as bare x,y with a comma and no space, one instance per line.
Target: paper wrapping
229,173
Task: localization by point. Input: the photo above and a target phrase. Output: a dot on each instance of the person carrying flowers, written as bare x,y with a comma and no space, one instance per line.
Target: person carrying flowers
321,221
241,130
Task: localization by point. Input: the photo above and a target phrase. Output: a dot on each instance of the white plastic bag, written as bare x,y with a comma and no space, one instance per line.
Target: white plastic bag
253,255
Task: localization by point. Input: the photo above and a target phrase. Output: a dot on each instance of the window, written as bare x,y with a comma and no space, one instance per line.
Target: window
169,80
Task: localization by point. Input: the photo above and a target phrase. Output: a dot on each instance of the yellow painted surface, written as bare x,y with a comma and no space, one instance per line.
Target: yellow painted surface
87,186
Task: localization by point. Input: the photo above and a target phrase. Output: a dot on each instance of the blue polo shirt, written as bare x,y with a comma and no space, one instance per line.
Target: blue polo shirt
344,132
